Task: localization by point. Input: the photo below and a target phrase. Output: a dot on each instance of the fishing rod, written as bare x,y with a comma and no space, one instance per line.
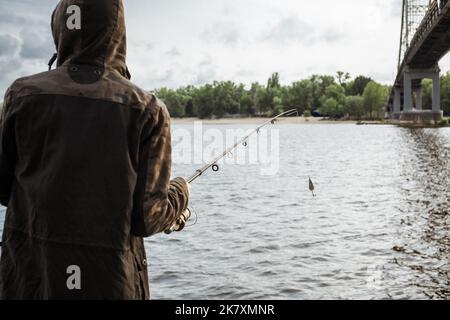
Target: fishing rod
213,163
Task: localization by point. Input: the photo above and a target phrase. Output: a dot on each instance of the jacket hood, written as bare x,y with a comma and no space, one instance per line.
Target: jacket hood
91,34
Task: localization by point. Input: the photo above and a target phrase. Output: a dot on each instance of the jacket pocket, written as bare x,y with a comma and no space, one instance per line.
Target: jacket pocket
141,279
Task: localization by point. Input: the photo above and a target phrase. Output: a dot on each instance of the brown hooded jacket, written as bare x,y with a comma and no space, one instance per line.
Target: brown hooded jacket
85,162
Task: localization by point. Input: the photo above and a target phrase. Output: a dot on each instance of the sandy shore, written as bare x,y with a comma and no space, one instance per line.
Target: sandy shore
290,120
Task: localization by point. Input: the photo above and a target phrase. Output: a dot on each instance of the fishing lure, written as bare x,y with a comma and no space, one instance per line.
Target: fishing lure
311,187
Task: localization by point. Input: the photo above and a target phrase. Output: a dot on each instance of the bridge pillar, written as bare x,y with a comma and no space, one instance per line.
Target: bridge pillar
436,104
397,100
407,94
419,115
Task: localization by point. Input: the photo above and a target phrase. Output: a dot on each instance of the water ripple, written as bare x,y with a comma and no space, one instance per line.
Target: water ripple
378,228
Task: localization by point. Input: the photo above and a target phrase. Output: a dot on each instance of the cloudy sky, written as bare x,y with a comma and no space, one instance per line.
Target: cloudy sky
179,42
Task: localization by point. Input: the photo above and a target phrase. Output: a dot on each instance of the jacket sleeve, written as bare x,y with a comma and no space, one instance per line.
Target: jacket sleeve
7,152
158,202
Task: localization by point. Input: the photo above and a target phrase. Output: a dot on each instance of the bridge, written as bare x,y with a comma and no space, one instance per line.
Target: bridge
424,40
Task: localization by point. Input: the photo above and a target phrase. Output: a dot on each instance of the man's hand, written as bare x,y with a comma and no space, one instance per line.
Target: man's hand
181,222
184,217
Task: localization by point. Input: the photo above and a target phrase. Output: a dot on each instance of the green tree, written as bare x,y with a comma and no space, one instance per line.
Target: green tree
278,106
174,101
188,93
445,93
342,78
427,89
325,81
336,92
331,108
267,96
257,91
375,96
307,114
220,99
299,96
357,86
319,85
203,101
226,98
247,104
274,81
354,107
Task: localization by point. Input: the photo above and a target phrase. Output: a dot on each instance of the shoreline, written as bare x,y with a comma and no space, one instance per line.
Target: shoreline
300,121
259,120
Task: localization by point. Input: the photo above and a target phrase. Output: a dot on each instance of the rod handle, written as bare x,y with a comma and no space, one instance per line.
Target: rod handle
176,226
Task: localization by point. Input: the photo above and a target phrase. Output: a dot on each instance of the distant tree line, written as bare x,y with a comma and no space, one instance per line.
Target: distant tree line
337,96
332,96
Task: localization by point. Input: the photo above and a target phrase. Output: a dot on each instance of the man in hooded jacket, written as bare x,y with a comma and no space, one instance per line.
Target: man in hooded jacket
85,163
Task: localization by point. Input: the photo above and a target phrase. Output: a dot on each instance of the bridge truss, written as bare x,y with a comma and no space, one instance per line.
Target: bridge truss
413,11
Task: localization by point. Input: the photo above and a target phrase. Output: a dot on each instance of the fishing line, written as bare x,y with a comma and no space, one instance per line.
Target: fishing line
196,217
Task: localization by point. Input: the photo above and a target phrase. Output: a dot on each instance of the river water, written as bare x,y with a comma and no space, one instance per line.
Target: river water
377,229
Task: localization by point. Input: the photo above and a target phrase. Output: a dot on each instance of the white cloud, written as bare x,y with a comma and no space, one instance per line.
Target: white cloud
176,42
36,44
174,52
9,45
223,33
290,29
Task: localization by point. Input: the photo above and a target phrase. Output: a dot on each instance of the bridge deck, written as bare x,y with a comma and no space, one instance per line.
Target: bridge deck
431,42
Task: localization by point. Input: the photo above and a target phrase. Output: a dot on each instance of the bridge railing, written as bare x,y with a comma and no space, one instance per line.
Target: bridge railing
427,23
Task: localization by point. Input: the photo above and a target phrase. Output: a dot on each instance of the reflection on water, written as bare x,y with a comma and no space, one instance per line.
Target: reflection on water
423,245
378,228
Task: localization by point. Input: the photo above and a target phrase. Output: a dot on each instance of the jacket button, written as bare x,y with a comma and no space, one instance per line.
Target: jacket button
144,262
